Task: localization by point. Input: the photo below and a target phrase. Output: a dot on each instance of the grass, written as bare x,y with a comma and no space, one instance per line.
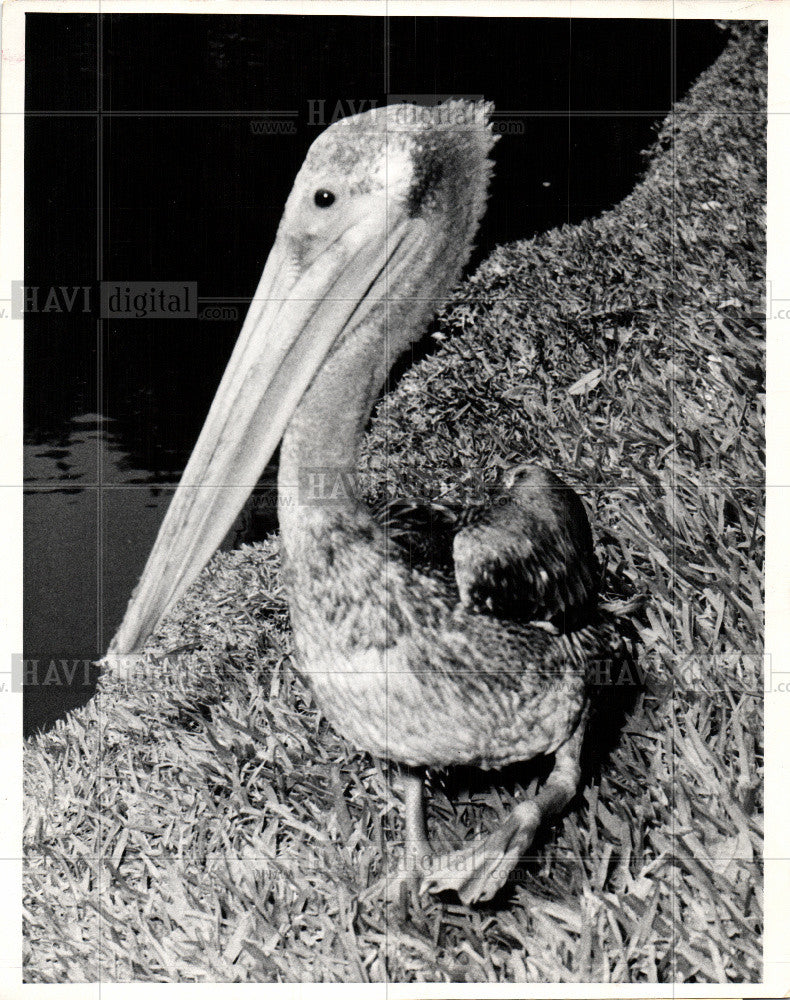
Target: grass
199,820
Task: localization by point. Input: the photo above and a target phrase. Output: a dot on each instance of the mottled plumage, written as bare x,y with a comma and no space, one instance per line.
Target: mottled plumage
531,557
406,671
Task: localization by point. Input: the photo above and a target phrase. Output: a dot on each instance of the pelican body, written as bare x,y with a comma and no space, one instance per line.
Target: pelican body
486,664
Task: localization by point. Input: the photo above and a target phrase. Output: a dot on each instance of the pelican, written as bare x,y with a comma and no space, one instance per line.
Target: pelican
484,665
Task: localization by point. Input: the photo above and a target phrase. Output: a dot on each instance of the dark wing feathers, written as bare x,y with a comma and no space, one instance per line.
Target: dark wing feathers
531,557
528,557
422,533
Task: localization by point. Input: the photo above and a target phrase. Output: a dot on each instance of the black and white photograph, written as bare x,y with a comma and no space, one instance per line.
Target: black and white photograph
385,497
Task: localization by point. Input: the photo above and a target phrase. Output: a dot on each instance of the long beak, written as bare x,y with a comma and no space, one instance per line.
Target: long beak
290,329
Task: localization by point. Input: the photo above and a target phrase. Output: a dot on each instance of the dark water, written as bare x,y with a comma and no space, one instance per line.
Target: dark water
171,181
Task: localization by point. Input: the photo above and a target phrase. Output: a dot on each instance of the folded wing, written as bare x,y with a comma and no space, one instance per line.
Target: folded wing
529,557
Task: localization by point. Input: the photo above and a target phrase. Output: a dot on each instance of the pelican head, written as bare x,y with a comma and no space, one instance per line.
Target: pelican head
378,225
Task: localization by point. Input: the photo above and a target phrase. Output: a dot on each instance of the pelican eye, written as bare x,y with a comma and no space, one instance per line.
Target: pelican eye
323,198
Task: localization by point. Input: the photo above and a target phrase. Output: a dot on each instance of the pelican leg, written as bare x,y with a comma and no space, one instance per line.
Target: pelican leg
478,871
417,850
414,817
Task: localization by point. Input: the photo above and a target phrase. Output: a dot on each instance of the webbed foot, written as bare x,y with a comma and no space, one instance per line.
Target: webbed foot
478,871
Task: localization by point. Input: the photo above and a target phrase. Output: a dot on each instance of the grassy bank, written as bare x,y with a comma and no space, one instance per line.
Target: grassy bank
199,820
